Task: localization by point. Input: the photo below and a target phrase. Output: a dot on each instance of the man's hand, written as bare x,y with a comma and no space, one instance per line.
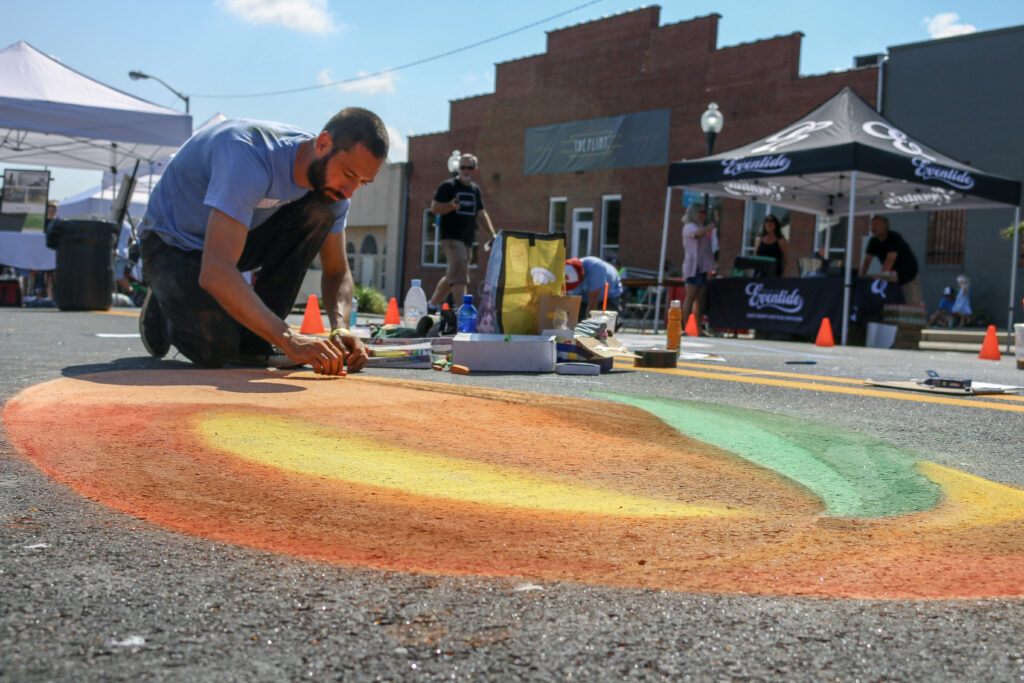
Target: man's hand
456,204
325,357
353,350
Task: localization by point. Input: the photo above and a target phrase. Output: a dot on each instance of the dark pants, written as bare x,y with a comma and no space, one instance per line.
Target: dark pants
282,248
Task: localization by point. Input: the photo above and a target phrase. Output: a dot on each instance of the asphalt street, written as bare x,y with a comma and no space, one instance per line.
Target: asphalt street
89,593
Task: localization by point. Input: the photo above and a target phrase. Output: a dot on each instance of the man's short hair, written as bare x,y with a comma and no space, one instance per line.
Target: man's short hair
885,221
354,125
471,157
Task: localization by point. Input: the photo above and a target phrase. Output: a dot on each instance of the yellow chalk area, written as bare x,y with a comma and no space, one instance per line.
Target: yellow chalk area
971,501
316,450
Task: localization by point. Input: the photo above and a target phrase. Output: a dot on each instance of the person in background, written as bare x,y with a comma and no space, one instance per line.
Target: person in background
699,260
895,255
122,263
962,304
241,195
586,277
771,243
42,280
943,315
457,202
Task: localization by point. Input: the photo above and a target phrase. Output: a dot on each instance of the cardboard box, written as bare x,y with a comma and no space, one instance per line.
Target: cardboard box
548,304
610,347
504,352
565,346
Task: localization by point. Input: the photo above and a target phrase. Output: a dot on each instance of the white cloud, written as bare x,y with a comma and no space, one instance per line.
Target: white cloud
370,85
399,149
309,16
945,25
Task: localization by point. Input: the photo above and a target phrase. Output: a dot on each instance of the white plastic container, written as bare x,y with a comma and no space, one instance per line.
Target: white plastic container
415,305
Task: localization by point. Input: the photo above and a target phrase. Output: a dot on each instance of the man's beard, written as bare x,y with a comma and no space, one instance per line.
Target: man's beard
317,176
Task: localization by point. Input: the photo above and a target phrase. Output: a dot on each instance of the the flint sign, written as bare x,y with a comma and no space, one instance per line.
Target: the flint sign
638,139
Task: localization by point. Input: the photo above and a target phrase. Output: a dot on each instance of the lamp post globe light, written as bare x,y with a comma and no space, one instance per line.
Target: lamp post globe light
453,162
711,122
139,75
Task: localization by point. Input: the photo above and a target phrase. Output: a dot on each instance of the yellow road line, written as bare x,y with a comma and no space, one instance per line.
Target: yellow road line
131,314
874,393
822,378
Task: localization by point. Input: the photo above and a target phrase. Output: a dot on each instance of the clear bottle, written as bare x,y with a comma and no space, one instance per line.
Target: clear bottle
466,314
355,310
415,305
675,325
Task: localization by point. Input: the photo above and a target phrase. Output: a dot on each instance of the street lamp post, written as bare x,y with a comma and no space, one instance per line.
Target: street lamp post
138,75
711,122
453,162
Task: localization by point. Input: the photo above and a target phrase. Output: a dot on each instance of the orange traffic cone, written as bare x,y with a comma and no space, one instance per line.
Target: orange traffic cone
825,334
691,326
392,317
312,323
990,347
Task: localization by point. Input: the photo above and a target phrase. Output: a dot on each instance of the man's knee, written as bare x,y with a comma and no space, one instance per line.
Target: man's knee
208,355
211,339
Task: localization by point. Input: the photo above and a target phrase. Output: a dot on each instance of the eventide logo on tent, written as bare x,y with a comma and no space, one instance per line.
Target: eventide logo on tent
766,164
899,139
792,135
780,299
769,191
926,170
933,197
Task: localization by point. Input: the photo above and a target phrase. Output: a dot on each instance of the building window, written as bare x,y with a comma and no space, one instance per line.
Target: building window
946,235
432,254
556,214
611,207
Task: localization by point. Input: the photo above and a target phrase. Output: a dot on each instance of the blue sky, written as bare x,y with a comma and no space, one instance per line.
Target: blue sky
216,50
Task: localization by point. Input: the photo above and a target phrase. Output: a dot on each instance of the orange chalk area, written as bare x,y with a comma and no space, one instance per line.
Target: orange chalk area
132,440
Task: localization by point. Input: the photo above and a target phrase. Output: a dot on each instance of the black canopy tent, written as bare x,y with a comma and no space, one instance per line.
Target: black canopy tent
844,157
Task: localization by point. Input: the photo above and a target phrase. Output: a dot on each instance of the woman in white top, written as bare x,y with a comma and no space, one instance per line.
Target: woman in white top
699,260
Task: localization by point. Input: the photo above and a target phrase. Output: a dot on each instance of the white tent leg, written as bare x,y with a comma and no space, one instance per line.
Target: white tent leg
1014,261
848,270
661,261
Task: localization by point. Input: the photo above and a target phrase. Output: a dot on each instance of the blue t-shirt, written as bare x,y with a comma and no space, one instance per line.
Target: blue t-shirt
595,274
243,168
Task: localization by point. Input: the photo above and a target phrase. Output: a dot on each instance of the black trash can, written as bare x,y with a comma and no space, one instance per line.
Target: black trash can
85,263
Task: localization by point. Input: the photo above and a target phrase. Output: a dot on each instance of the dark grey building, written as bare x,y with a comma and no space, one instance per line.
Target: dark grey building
965,97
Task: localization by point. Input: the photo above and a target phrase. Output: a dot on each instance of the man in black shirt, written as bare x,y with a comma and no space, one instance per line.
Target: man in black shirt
894,254
458,202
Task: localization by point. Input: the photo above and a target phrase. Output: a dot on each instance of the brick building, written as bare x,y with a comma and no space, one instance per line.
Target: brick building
624,65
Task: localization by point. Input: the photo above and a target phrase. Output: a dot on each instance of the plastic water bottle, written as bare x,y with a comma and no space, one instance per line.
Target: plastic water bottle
352,316
675,325
467,314
415,306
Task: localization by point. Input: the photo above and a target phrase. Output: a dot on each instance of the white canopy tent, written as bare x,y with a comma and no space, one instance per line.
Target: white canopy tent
97,201
844,157
51,115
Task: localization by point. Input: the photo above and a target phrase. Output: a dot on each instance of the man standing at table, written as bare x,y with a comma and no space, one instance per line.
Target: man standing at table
246,195
895,255
458,201
587,277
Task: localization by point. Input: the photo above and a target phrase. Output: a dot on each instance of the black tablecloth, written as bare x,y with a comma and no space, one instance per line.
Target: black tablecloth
794,305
